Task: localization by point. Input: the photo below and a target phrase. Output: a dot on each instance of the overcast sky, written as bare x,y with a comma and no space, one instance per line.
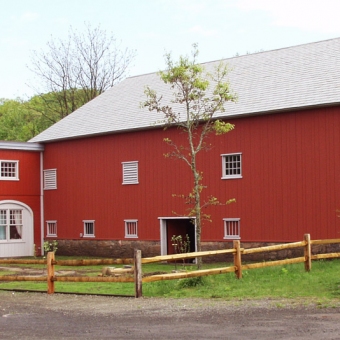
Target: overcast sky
221,28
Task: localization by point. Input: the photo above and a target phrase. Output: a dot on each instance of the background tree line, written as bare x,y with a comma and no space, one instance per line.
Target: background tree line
69,73
21,120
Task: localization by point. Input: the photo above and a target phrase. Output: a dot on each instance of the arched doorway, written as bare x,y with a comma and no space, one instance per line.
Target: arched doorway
16,229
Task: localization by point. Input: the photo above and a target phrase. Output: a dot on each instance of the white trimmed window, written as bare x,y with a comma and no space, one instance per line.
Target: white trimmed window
131,228
51,228
50,179
130,172
232,229
232,166
11,224
9,170
88,228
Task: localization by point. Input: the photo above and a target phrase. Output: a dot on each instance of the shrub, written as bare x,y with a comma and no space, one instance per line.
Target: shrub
192,282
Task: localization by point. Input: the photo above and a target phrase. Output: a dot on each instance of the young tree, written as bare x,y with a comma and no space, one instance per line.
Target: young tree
197,97
77,70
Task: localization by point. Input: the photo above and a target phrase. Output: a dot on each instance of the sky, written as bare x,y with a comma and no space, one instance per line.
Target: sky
221,28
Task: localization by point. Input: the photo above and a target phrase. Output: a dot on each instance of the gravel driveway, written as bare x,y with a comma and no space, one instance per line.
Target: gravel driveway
62,316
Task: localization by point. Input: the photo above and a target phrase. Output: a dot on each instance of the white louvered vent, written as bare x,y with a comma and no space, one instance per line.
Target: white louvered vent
130,172
50,179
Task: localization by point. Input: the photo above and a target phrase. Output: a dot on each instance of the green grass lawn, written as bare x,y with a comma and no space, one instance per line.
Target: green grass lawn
290,281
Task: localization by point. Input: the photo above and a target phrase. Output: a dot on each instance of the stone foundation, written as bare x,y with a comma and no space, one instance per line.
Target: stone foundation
263,256
107,249
125,249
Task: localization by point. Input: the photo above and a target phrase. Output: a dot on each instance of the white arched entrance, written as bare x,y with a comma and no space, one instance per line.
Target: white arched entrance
16,229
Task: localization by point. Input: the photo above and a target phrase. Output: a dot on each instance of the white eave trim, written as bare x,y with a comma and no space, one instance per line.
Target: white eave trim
24,146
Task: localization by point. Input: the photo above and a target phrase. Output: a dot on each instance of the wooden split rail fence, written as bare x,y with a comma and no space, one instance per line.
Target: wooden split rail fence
138,261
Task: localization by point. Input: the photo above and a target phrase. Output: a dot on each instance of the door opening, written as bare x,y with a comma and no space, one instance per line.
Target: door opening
176,226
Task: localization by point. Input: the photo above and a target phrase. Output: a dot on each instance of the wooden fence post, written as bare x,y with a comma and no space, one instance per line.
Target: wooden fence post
307,253
237,259
138,273
50,272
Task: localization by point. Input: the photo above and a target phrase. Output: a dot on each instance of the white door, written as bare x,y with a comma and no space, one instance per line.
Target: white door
16,229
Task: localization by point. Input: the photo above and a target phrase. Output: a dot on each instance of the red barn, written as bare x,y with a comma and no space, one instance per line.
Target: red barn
20,199
108,188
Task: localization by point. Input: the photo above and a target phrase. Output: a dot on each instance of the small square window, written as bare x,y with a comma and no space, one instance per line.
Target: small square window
50,179
51,228
231,229
131,230
130,172
88,228
232,166
9,170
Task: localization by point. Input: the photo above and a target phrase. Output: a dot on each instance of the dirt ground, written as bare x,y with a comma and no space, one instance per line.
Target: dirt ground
63,316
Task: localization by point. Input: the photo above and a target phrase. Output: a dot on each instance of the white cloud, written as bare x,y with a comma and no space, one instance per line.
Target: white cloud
29,16
311,15
197,29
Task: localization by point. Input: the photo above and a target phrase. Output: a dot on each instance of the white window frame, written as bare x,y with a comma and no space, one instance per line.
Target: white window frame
130,172
50,179
236,169
15,224
131,231
51,228
232,228
86,234
9,178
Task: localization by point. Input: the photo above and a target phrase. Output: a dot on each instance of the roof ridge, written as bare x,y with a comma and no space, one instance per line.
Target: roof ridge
269,51
245,55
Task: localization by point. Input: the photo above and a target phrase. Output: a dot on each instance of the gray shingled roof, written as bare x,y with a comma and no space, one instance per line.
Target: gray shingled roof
284,79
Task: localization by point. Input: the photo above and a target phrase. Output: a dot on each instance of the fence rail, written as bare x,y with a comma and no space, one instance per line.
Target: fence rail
138,261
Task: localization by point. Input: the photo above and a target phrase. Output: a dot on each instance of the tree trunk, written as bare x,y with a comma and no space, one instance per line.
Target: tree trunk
198,216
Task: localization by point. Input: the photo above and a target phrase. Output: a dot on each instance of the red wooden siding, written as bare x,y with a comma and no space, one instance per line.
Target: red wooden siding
290,184
29,173
90,186
27,188
291,180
